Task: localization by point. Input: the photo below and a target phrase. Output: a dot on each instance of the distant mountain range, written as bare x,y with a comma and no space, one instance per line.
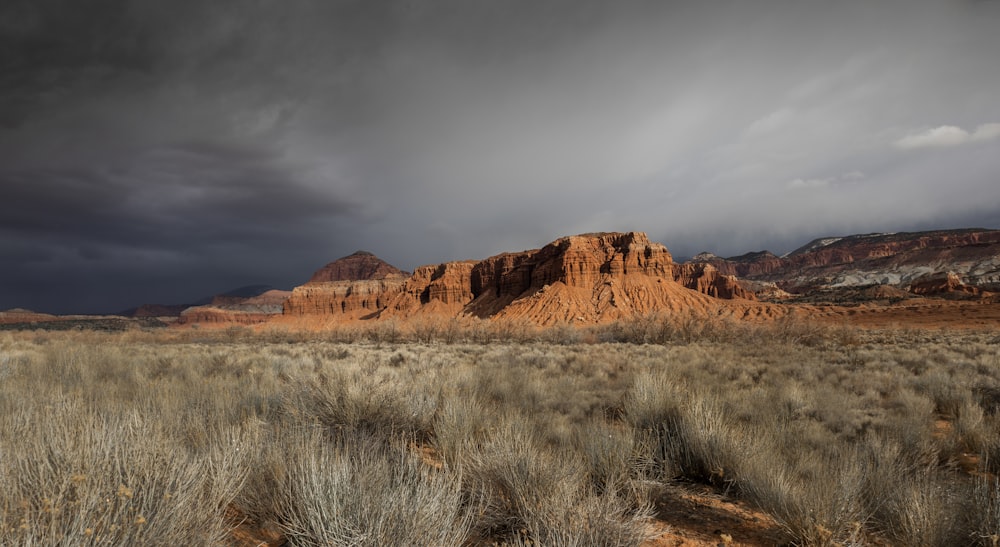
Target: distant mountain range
955,263
174,310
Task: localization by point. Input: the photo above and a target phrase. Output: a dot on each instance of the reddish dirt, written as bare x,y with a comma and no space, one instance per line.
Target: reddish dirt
25,316
693,515
924,313
249,533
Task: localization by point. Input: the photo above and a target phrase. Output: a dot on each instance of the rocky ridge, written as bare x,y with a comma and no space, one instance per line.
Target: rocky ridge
238,310
234,297
21,315
970,258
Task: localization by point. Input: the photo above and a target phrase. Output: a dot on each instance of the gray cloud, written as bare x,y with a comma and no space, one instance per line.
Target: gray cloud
186,145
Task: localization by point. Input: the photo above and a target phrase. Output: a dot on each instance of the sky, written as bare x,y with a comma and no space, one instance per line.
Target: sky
162,151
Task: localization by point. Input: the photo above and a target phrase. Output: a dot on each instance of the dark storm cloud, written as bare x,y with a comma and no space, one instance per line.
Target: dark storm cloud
169,196
187,145
188,205
141,153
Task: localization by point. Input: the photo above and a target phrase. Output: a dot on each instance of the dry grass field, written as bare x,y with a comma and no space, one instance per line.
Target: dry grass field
649,432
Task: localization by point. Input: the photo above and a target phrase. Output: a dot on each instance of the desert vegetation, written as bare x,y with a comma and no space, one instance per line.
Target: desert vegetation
482,433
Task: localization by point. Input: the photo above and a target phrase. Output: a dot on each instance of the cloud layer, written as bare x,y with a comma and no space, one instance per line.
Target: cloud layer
947,136
163,151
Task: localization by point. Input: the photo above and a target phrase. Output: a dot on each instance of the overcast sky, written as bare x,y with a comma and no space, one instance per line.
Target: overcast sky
159,151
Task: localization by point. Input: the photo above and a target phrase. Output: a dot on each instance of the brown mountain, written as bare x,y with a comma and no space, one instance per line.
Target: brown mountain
355,267
586,278
944,262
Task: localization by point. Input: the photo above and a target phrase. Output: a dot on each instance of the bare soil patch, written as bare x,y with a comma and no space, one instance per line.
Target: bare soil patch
695,515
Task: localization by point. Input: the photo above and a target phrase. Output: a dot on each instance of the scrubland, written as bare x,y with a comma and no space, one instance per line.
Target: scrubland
472,433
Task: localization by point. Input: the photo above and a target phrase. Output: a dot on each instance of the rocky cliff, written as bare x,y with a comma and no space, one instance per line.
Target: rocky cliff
588,278
361,299
707,279
898,260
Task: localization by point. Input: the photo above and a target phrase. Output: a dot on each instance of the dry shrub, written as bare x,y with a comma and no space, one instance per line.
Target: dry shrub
534,495
80,468
355,489
833,433
461,423
364,402
985,526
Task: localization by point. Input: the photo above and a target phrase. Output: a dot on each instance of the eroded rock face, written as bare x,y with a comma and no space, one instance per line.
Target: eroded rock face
449,283
706,279
355,267
589,277
362,299
584,261
576,261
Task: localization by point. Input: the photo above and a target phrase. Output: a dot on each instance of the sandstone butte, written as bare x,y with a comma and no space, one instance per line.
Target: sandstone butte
588,278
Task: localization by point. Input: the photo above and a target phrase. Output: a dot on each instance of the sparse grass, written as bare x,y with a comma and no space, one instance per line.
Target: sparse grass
467,433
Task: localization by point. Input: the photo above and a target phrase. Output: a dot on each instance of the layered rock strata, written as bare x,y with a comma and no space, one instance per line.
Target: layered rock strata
584,278
238,310
899,260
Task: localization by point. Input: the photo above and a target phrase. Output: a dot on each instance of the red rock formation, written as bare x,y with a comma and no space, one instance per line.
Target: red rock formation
706,279
590,277
943,284
444,288
585,261
358,266
358,286
217,316
361,299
